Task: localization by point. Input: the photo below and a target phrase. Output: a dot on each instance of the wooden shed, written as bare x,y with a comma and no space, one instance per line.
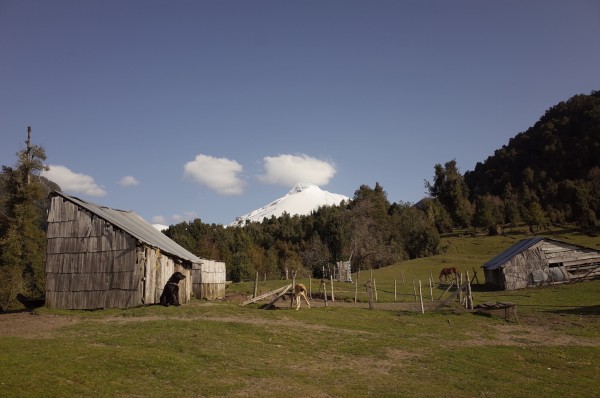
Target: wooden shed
208,279
539,261
343,271
98,257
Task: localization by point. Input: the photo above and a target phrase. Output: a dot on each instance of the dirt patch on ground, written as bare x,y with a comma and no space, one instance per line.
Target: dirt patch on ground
527,335
31,325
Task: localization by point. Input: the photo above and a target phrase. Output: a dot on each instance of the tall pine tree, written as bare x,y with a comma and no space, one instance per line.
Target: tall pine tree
22,239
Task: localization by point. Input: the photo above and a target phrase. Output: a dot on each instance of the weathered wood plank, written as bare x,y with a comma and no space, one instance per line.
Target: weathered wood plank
265,295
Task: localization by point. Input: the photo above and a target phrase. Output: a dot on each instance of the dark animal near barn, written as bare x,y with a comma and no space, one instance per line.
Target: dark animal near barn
447,272
170,294
31,302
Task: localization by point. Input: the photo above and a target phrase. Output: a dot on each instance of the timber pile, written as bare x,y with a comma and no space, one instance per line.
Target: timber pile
278,293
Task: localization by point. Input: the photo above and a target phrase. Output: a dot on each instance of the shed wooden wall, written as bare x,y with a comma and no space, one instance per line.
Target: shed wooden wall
579,262
517,273
90,264
158,269
522,270
209,279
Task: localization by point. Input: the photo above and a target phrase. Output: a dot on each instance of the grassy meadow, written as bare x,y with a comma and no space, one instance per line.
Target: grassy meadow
221,349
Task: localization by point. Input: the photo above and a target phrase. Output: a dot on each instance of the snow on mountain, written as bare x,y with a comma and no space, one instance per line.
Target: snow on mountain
160,227
301,200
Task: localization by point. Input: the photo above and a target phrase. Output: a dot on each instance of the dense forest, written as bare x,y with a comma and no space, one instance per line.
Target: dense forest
552,169
549,174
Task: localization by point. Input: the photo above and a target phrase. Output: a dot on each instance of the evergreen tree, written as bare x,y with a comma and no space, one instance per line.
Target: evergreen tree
22,240
488,213
450,189
414,230
512,215
371,228
536,217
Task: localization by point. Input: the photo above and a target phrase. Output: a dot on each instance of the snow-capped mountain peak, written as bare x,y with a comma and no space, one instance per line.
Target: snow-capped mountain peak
300,200
160,227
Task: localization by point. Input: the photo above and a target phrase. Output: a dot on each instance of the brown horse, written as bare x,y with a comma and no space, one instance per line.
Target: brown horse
447,272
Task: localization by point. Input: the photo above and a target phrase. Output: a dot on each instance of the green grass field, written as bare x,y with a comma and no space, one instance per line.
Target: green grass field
222,349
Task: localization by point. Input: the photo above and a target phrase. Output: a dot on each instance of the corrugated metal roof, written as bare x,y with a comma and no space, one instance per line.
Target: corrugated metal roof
134,225
520,246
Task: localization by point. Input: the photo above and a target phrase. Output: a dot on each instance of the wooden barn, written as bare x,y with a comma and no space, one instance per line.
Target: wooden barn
98,257
539,261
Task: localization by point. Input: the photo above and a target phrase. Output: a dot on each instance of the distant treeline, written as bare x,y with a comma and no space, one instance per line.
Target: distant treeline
368,230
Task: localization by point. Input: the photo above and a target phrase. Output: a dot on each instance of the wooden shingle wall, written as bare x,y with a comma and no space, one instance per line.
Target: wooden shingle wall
158,270
89,264
543,263
517,272
579,262
209,279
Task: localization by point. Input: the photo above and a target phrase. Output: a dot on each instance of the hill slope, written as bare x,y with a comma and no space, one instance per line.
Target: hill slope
563,145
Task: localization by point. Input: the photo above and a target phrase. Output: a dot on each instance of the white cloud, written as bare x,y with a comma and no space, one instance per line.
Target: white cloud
218,174
175,218
288,170
188,216
159,220
128,181
72,182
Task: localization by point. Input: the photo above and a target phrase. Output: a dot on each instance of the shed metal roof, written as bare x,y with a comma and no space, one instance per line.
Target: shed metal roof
501,259
134,225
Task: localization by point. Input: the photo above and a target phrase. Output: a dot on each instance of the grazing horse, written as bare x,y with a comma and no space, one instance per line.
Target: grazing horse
300,293
446,272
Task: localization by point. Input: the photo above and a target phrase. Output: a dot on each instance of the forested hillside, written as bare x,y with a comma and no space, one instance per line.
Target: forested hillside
555,163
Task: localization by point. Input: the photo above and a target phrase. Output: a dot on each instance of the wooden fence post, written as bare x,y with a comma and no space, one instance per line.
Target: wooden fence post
256,285
395,289
469,293
460,294
431,288
414,289
356,286
375,289
475,276
370,294
421,297
332,296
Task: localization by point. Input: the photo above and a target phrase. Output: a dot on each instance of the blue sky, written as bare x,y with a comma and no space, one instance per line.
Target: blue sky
210,109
